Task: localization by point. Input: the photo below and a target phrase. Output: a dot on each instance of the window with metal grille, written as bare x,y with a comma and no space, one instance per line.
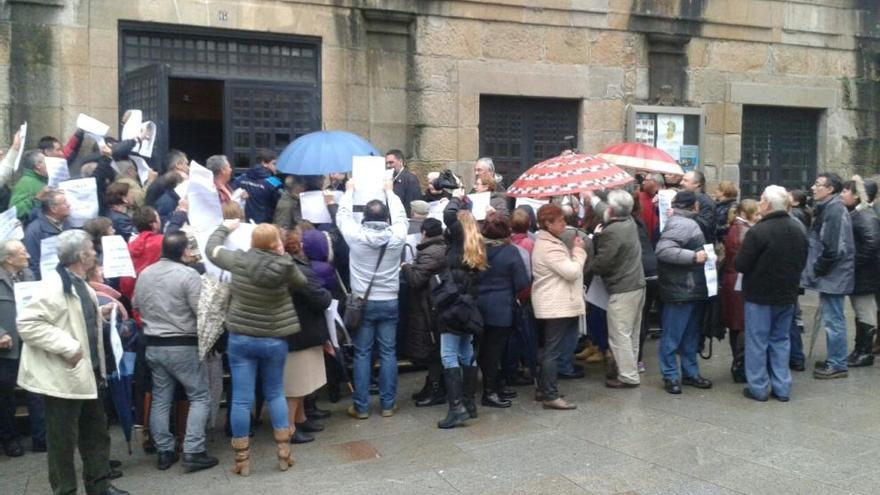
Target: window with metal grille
520,132
779,146
211,53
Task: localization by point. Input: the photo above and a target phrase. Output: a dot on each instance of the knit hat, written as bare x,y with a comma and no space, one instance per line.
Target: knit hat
684,200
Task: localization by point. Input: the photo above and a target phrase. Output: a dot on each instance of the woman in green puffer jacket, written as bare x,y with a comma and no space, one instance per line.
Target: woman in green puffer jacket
261,316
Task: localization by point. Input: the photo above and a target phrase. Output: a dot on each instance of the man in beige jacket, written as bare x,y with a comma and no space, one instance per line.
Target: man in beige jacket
62,358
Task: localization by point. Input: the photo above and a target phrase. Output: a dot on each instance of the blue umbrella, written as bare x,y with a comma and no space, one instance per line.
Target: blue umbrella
323,152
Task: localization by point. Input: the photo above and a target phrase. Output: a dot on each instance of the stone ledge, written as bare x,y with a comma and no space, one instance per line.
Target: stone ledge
47,3
786,96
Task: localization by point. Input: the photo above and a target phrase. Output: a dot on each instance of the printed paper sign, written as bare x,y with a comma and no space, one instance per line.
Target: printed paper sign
82,194
664,204
670,134
368,172
132,127
597,294
117,258
9,224
25,292
435,209
22,135
240,238
143,169
536,204
314,207
205,212
57,170
48,254
412,242
479,201
91,125
146,146
711,270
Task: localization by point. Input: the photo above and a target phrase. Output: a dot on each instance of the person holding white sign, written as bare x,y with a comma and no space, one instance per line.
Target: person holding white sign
7,165
51,220
63,358
14,270
31,188
497,199
680,260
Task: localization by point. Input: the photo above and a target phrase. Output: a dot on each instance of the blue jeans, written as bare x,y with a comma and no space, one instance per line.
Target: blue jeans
456,350
768,344
565,362
379,325
681,335
835,329
246,355
797,342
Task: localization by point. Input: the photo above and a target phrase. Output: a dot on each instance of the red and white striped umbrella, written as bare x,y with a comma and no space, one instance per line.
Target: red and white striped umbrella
569,174
641,157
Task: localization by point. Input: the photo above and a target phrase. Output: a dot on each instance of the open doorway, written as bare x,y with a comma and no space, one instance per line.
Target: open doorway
196,117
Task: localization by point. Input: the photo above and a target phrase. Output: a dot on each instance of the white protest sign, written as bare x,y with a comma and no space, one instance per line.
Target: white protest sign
99,140
146,146
711,270
132,127
22,135
534,203
240,238
182,188
198,174
25,292
9,225
57,170
479,202
597,294
368,172
664,204
313,207
117,258
82,195
238,197
205,212
435,210
143,169
91,125
48,254
115,341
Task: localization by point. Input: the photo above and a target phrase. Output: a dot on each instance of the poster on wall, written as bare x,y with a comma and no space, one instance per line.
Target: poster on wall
690,157
645,131
670,134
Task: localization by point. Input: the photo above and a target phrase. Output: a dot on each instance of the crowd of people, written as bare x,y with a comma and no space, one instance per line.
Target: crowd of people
489,305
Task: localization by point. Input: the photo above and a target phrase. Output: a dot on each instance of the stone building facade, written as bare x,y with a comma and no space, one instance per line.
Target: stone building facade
768,90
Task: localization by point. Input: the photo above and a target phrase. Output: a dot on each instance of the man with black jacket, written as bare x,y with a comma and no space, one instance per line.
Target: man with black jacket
830,269
771,259
405,184
695,182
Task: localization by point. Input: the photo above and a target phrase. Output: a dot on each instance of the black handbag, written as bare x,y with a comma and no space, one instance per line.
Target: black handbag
354,305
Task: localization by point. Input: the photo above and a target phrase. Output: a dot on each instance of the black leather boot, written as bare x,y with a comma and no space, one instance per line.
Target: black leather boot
470,389
313,412
436,396
862,355
425,392
491,399
454,389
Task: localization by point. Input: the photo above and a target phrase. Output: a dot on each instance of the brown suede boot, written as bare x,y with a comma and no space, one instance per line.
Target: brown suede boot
285,457
242,456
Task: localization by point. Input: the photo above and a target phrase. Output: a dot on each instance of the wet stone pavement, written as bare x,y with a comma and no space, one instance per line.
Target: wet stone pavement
642,441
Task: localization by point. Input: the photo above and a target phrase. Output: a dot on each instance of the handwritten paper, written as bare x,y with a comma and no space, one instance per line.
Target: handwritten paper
57,170
25,292
479,202
91,125
82,194
314,208
48,254
664,204
711,270
534,203
10,227
132,127
22,135
117,258
368,172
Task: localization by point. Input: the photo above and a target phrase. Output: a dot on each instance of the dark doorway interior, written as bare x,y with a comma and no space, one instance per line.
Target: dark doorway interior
196,117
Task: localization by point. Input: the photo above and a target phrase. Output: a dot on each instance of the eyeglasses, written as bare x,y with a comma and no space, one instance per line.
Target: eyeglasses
820,183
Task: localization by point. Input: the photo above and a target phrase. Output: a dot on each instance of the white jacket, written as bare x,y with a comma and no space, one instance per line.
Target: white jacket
52,327
557,278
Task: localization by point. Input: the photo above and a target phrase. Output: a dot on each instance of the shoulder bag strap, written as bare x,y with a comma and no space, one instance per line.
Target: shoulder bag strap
378,262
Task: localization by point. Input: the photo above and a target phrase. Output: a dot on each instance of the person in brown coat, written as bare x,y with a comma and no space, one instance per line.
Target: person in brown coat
732,303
